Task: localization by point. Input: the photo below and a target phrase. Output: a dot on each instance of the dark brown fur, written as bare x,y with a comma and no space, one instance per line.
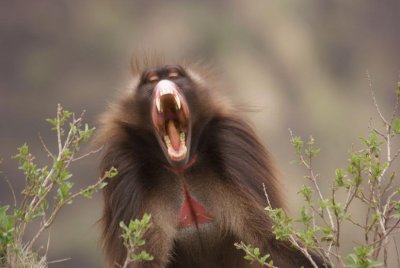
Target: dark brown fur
227,178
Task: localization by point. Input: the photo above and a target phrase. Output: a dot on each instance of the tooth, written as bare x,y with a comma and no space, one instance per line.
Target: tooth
158,104
178,155
182,137
178,101
167,140
183,150
165,91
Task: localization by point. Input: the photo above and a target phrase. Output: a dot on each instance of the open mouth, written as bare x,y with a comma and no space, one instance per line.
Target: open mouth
171,121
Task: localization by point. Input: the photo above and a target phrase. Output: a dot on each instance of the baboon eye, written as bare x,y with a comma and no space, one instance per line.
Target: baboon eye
173,73
152,77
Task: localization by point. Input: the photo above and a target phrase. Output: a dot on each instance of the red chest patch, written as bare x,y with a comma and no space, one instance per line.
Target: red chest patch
192,212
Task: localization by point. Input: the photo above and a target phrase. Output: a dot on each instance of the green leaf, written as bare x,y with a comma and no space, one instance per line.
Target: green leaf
397,210
263,259
112,172
123,226
101,185
86,133
327,234
6,227
396,126
297,143
5,220
324,203
307,192
64,190
339,177
306,218
52,121
65,115
361,258
248,258
398,89
88,192
256,252
132,234
282,227
143,256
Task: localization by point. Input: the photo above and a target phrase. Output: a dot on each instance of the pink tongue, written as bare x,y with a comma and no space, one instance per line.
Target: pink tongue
173,135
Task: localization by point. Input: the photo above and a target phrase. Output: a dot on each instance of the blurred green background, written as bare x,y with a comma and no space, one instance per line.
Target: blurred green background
299,64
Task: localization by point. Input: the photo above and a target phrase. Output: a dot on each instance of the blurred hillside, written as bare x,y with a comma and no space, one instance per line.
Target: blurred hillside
300,64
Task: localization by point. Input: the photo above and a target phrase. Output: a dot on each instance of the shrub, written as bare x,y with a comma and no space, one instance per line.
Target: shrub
368,178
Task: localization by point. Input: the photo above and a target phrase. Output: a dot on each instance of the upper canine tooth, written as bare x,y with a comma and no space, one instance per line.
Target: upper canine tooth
178,101
158,104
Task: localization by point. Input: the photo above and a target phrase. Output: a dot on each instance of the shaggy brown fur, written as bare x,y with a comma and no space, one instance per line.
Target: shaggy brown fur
227,177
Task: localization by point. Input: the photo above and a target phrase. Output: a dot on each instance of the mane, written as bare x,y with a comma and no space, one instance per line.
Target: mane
147,60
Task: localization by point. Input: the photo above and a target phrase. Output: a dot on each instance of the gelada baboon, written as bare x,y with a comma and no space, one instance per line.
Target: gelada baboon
185,156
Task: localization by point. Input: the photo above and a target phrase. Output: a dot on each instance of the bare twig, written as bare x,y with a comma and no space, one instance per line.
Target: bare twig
60,260
397,251
303,250
382,238
12,191
266,195
48,244
356,223
374,98
379,133
59,108
45,147
127,259
88,154
396,106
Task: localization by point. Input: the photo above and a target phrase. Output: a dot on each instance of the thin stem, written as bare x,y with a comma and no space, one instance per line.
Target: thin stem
243,247
397,251
374,98
45,147
12,192
303,250
396,106
47,223
58,127
35,201
88,154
